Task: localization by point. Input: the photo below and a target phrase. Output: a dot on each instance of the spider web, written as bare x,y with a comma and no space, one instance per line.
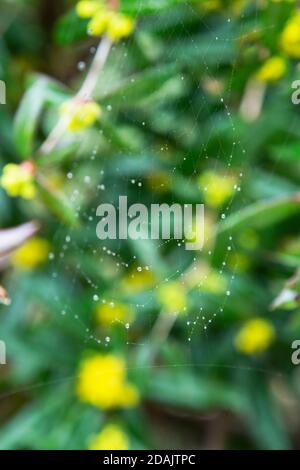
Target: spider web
199,319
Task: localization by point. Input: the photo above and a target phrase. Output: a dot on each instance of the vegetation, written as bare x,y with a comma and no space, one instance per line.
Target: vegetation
142,344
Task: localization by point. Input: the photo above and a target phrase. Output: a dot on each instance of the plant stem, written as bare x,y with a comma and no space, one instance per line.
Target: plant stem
84,94
87,89
162,327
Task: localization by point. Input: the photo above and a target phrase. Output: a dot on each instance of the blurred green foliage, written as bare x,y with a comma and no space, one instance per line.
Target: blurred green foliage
172,100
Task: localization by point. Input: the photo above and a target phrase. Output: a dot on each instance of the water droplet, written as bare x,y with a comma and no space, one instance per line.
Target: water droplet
81,65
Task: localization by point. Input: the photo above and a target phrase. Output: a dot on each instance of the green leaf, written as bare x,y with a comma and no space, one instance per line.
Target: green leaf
27,117
42,91
69,29
264,418
16,431
58,155
290,254
141,7
184,389
57,203
289,152
202,50
148,251
262,214
139,87
119,137
139,165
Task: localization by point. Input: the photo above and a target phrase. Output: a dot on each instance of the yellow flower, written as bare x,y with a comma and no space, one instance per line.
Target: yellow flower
217,189
112,437
138,281
18,180
105,20
255,336
114,312
290,36
119,26
213,283
272,70
32,254
172,297
80,115
102,383
87,9
99,23
115,25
